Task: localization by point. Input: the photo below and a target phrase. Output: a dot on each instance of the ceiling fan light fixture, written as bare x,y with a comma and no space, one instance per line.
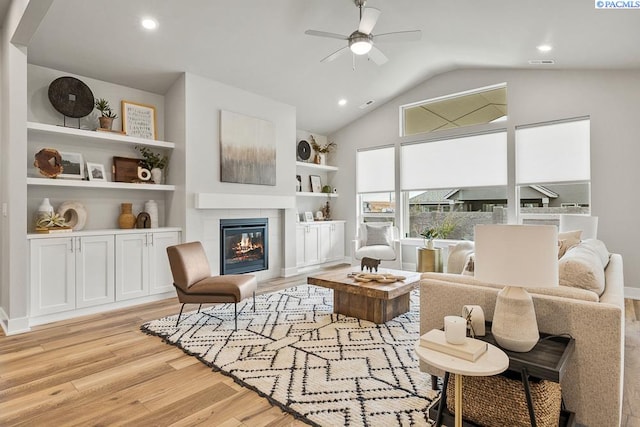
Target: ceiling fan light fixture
360,44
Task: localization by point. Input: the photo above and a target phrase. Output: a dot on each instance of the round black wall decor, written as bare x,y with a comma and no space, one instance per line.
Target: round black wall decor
71,97
304,150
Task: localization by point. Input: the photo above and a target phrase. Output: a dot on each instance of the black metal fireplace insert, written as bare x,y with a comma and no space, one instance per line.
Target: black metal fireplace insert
244,245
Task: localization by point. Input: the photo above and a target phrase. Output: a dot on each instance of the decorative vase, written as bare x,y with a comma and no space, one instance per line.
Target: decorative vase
151,207
127,219
321,159
106,122
45,209
156,175
429,243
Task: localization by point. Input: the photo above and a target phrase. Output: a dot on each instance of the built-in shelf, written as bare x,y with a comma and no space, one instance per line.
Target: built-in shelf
83,135
98,184
310,194
113,231
315,166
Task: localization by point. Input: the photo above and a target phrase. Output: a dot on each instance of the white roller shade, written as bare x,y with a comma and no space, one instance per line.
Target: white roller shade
472,161
555,153
376,170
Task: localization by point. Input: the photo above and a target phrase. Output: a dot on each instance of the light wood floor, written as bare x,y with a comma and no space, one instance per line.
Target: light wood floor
101,370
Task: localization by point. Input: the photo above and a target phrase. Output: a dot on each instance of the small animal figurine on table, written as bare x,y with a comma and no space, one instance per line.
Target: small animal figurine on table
370,263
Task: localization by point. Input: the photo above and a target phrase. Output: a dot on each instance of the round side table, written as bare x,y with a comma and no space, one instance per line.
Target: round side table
493,362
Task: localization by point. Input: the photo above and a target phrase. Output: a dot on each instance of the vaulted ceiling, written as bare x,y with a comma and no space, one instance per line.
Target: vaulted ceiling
260,46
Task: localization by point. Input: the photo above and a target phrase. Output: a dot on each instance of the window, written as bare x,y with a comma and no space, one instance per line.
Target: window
375,184
553,174
485,105
454,184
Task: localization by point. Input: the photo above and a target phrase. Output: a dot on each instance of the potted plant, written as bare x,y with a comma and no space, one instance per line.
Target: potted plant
429,234
106,120
153,161
321,150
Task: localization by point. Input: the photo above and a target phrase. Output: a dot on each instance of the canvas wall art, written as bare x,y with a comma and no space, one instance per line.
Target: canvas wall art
247,149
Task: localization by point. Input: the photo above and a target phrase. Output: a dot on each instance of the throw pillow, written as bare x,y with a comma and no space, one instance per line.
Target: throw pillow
378,235
567,240
458,256
581,267
599,247
469,265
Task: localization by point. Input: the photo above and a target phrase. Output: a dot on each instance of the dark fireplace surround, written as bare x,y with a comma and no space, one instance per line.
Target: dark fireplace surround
244,245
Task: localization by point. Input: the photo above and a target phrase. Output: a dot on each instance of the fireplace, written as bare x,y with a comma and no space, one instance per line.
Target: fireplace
244,245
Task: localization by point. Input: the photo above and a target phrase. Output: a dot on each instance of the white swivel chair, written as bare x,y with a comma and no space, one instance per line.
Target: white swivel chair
588,225
380,241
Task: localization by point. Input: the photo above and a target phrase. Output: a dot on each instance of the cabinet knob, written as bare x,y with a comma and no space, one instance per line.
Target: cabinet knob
71,246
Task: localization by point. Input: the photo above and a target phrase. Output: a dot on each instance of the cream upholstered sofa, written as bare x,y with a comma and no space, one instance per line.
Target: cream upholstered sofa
592,384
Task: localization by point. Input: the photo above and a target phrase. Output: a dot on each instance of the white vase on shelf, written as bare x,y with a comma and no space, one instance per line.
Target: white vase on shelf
156,175
151,207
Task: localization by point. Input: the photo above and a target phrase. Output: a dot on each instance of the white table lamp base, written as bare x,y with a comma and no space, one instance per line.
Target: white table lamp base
514,325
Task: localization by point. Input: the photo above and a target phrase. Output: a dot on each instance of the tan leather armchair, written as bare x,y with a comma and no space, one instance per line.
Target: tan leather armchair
195,285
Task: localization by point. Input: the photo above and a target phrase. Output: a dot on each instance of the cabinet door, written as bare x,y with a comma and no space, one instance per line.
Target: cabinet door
132,266
325,242
337,241
52,275
160,277
95,264
300,239
312,244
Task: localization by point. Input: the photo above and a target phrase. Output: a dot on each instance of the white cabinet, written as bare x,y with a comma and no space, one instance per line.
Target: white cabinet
336,251
52,276
142,266
94,270
308,249
321,242
71,272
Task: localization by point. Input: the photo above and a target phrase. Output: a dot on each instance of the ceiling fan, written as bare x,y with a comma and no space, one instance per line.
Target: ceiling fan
361,41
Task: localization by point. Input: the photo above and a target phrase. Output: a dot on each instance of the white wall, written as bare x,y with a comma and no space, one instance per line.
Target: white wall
204,100
610,98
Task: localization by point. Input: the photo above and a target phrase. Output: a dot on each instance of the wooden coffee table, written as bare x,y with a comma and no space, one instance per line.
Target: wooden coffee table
376,302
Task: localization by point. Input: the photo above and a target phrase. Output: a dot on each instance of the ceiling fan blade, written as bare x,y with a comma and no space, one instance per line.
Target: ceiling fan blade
369,18
377,56
326,34
335,54
398,36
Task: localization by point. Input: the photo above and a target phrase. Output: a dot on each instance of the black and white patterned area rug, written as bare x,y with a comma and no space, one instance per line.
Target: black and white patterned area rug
326,369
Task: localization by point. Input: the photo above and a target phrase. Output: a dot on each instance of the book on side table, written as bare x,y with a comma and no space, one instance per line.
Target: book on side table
470,350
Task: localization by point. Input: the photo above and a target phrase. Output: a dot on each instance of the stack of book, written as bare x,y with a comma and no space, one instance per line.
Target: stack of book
51,230
470,350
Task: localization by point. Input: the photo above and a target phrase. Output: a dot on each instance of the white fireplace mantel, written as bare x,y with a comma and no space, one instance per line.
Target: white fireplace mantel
243,201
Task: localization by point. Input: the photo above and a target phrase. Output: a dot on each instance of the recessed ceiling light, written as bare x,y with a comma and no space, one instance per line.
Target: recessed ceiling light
342,102
544,48
149,23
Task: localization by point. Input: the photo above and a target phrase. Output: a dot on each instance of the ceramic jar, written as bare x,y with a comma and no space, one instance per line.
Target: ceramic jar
156,175
126,219
45,209
151,207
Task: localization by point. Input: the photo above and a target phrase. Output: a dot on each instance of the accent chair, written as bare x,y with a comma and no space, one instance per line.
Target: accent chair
195,285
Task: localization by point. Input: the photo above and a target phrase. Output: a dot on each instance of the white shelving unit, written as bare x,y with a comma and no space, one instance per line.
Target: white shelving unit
312,166
310,194
98,184
94,137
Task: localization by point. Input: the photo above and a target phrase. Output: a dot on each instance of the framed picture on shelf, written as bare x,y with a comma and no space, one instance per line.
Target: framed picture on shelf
139,120
298,183
72,165
96,172
308,217
316,183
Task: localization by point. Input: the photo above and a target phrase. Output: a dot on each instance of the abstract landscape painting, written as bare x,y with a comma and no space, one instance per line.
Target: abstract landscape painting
247,150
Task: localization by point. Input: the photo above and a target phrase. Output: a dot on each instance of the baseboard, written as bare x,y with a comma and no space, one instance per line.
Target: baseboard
288,272
632,293
71,314
13,326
